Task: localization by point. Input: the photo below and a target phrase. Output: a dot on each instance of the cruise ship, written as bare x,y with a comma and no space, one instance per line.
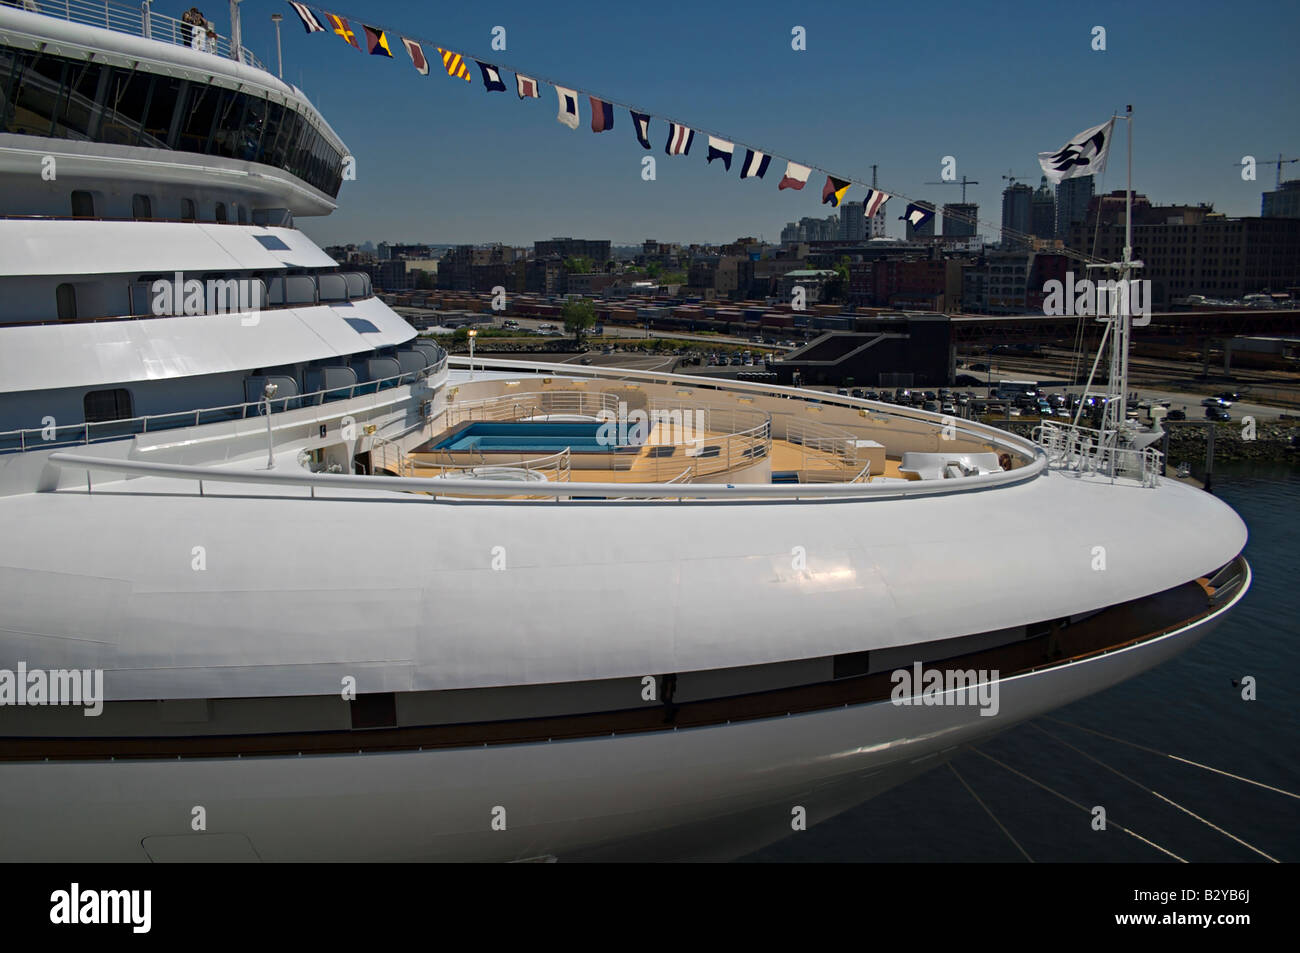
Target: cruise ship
281,580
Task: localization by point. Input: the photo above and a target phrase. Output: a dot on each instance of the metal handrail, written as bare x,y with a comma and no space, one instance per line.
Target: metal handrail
498,489
134,19
1085,450
885,413
186,418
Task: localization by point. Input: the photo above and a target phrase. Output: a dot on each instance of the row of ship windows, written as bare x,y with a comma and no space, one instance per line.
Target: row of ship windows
65,98
270,291
83,206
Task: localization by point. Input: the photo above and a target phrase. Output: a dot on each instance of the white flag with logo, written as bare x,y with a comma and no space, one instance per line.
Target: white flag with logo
1085,154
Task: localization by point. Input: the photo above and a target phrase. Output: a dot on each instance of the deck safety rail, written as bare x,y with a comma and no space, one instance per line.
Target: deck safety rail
888,415
135,19
502,490
1084,450
42,438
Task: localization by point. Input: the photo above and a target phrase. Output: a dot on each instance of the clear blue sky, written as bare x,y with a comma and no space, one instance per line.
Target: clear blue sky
900,85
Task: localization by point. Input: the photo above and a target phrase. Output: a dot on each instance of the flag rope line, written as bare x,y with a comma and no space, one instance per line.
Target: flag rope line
1067,800
1165,754
1019,237
981,803
1153,791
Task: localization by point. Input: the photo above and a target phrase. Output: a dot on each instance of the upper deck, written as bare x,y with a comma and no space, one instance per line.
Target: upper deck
108,81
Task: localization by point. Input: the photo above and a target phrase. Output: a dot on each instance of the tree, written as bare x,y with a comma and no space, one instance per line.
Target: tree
579,314
579,264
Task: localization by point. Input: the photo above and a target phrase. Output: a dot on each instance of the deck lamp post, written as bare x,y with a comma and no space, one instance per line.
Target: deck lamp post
268,392
472,335
279,56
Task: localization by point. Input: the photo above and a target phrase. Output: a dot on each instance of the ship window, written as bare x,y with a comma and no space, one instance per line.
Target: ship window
102,405
219,213
65,296
188,212
124,107
36,95
852,664
374,711
162,108
141,207
83,204
197,118
78,107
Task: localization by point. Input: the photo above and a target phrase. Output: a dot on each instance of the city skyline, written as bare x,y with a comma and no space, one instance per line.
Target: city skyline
440,161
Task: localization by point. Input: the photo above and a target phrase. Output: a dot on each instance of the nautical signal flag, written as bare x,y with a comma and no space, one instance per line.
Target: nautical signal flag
309,21
417,56
834,189
527,86
341,27
755,164
679,139
568,114
720,149
376,42
796,176
455,64
874,200
917,215
641,126
602,115
491,77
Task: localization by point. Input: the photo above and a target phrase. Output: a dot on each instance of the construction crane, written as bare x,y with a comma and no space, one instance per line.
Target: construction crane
963,183
1279,162
1013,179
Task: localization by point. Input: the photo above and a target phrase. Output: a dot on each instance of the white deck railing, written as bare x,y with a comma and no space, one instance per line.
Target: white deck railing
43,438
135,19
1084,450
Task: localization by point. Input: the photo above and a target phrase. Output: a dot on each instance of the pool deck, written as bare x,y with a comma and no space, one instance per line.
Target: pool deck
645,467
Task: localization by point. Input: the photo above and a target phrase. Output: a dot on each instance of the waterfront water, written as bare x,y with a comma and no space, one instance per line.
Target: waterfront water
1187,707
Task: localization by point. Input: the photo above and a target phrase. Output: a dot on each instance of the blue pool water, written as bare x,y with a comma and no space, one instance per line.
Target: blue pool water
530,436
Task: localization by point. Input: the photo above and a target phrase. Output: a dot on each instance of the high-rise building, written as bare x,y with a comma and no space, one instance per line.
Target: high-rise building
1193,250
1072,198
595,249
1017,213
1043,217
1284,203
926,230
963,226
853,224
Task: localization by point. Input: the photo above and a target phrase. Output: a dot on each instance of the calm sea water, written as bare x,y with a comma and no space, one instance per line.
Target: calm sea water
1187,707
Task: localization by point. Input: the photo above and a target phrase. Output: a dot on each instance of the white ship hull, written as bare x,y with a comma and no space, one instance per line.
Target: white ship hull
706,793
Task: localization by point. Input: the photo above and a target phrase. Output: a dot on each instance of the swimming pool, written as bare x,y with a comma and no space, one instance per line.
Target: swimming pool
528,436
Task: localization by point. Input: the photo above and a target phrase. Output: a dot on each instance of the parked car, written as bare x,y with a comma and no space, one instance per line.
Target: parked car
1213,402
1217,413
1176,415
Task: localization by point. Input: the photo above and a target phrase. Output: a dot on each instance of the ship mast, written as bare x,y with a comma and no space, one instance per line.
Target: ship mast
1120,301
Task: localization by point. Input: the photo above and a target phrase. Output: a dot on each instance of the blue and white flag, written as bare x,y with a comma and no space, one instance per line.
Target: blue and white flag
755,164
917,215
720,149
492,81
873,202
310,22
641,126
1085,154
679,139
568,114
